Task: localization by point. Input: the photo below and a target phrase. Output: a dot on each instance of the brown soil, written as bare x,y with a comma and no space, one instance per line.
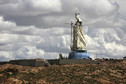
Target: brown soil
103,73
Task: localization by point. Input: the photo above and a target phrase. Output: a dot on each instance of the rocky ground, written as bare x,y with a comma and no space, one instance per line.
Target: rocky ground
106,72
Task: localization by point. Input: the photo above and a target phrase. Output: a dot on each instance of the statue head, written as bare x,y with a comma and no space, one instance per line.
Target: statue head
77,13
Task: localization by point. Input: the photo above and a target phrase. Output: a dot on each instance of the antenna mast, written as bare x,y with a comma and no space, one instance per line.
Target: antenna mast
71,41
71,35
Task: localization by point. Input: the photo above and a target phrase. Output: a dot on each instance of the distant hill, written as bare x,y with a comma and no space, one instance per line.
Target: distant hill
106,72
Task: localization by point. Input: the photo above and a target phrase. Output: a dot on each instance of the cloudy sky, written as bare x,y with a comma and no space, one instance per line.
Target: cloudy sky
37,29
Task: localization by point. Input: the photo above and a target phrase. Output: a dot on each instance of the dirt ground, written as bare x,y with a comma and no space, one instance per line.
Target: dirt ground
106,72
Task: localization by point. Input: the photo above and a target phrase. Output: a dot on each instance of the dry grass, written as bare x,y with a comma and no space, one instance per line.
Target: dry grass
102,73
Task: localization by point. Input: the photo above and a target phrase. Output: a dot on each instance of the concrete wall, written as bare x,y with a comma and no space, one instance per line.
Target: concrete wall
43,63
54,61
31,62
70,61
75,61
1,63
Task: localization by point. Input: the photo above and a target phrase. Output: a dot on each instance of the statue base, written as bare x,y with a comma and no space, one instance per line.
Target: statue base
79,54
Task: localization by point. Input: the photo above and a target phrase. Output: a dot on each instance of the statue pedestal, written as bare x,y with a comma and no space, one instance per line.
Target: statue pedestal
79,54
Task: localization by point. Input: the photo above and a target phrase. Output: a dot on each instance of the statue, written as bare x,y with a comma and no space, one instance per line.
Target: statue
78,45
78,37
79,21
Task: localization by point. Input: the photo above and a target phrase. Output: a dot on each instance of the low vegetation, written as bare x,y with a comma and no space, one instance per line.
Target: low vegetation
106,72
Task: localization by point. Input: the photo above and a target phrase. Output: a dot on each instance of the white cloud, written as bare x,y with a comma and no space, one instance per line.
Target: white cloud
45,4
29,52
103,24
48,43
114,46
100,7
29,7
122,6
107,42
6,55
22,41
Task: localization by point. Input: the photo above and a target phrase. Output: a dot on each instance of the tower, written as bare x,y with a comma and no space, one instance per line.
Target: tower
78,44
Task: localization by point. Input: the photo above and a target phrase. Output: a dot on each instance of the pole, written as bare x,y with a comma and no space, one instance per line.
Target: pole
71,35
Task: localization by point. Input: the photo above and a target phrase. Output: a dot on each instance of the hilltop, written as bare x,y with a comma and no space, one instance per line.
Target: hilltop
106,72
